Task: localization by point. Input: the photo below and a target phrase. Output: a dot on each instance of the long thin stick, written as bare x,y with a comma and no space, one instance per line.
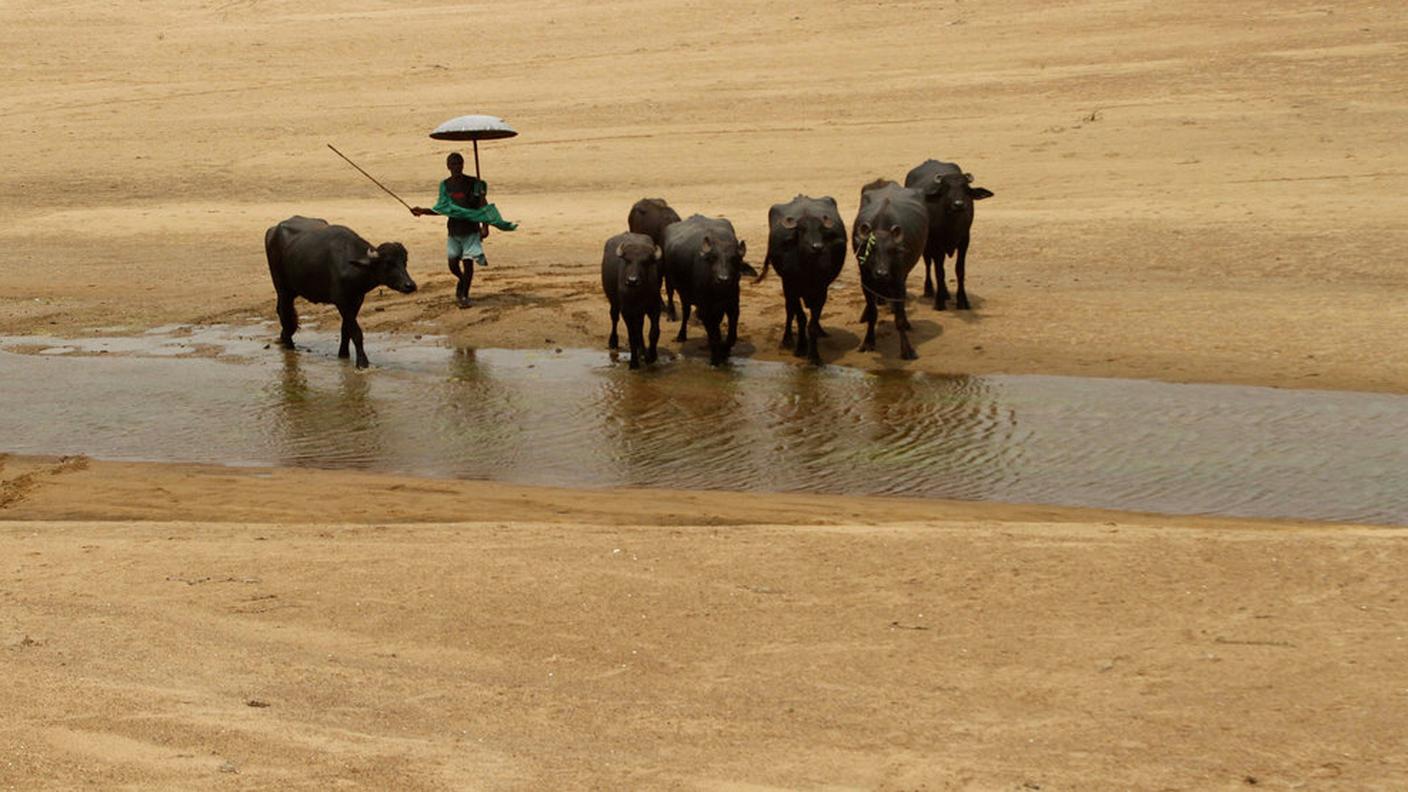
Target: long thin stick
368,175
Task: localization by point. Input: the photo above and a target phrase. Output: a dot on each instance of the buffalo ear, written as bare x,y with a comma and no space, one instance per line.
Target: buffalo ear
372,254
863,230
744,268
657,253
827,222
789,223
896,231
743,250
979,193
968,178
706,246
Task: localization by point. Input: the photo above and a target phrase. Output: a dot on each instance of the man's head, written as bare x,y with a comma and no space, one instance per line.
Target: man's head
455,162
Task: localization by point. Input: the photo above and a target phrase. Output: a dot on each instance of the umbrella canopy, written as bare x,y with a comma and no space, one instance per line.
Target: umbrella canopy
475,128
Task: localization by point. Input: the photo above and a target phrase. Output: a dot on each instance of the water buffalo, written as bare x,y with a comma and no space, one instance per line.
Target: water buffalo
888,238
807,247
650,216
949,195
330,264
630,276
704,260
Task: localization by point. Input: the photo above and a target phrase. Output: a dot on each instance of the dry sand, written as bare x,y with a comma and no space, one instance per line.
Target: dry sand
601,640
1189,191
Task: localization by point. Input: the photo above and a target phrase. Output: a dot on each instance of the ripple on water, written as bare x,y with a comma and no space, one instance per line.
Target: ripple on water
215,394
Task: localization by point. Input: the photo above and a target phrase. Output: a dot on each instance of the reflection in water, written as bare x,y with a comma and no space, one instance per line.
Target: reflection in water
574,418
336,422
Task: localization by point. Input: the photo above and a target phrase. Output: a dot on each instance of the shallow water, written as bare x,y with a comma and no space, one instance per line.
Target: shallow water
576,418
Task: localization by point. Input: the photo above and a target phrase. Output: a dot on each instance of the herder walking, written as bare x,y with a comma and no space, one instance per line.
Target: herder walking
464,202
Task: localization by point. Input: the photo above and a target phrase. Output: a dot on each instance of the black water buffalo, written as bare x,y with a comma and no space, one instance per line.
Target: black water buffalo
888,238
704,260
330,264
807,247
651,216
949,194
630,276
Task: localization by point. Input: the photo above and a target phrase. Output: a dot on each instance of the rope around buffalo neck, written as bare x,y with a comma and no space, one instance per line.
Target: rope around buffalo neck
864,256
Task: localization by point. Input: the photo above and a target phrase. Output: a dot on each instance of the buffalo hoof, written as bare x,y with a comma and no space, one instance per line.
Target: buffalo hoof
342,354
800,351
680,337
651,356
286,343
866,346
613,342
938,305
670,312
928,289
363,363
908,354
963,303
635,364
786,341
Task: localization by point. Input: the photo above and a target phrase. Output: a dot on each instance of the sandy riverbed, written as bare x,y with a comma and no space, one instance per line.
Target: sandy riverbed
1203,192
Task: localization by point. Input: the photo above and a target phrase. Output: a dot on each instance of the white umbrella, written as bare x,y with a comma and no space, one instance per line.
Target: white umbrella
475,128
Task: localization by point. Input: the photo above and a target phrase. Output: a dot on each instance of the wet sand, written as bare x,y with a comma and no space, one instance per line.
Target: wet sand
1192,192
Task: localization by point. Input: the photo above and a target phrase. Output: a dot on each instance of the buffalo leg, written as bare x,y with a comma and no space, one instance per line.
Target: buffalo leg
868,316
732,313
288,319
650,352
670,298
928,283
634,325
352,330
711,320
902,326
813,351
684,322
958,265
803,330
614,342
789,300
941,294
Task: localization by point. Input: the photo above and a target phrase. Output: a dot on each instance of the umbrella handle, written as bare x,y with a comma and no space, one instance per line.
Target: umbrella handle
476,159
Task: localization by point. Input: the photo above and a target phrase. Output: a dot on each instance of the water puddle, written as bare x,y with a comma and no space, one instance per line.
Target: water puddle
576,418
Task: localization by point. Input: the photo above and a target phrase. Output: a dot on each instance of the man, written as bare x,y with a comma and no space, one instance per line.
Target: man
463,202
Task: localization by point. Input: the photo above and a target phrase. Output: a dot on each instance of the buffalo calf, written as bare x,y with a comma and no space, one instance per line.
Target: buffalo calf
888,238
630,277
704,260
330,264
651,216
807,247
948,195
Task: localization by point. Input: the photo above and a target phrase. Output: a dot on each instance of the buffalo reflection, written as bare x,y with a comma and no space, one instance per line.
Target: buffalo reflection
333,425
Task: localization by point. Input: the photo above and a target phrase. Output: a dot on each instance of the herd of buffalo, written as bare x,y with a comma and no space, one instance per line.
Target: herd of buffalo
700,258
